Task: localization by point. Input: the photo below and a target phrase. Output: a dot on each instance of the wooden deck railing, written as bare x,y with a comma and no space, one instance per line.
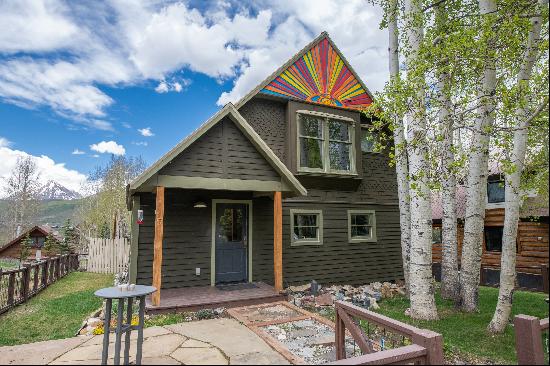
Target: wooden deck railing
389,342
18,285
529,339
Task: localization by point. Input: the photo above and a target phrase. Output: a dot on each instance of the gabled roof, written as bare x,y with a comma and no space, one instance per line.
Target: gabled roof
319,73
230,111
44,229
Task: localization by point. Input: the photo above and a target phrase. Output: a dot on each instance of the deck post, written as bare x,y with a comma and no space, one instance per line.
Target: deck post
278,240
159,233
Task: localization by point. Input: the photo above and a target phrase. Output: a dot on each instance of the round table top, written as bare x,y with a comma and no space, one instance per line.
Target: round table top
115,293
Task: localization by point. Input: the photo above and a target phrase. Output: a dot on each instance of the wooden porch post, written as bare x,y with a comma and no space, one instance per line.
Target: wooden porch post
159,233
278,240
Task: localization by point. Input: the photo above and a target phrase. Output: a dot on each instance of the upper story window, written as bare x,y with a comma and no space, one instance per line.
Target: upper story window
368,140
437,235
495,190
325,143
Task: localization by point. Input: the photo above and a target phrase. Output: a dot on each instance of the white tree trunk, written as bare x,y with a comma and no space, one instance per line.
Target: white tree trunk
512,187
401,165
421,291
476,188
449,259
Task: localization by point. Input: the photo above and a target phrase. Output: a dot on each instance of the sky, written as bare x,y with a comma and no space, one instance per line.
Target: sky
82,80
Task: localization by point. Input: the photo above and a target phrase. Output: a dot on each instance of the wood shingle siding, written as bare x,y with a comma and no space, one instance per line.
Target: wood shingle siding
222,152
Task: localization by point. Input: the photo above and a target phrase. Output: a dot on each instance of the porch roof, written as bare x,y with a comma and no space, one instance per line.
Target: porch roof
151,177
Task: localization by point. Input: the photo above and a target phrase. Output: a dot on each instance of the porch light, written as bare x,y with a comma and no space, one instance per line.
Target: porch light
199,204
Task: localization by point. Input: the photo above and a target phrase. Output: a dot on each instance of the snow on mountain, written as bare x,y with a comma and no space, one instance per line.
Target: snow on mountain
55,191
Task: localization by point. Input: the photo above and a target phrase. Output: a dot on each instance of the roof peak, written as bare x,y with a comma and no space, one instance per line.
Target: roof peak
318,73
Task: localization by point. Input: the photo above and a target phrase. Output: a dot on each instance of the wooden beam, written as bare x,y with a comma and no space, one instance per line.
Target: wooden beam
278,240
134,238
159,233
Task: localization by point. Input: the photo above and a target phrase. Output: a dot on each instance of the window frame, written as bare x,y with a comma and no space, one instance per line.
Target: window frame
302,242
485,233
326,144
367,128
360,239
493,180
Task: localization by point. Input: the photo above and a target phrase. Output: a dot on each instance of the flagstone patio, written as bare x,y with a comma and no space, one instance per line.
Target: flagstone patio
208,342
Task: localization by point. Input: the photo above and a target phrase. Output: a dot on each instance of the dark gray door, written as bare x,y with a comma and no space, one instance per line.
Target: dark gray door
231,242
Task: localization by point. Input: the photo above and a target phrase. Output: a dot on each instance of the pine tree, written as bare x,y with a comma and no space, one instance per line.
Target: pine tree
26,245
51,246
70,238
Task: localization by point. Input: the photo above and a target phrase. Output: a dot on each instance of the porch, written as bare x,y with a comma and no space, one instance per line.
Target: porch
211,297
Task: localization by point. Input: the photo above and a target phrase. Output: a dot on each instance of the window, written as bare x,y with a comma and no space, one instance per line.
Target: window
361,226
437,235
368,140
493,238
325,143
495,190
306,227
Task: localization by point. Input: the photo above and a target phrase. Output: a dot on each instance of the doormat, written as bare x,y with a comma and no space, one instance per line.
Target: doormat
236,287
303,338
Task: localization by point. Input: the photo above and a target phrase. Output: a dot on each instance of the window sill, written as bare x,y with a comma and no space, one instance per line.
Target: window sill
306,243
329,175
359,241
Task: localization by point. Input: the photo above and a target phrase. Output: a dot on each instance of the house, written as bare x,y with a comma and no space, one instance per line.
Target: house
532,238
38,236
281,188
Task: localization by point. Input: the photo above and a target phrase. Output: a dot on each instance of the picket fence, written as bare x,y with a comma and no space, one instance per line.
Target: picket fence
108,255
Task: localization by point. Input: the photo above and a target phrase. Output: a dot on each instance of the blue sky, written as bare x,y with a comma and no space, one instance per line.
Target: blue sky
82,80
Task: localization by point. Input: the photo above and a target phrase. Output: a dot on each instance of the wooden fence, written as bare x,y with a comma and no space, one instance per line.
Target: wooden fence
531,340
383,340
107,255
18,285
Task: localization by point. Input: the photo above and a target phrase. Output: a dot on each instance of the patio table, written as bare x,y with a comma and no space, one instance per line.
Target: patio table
109,294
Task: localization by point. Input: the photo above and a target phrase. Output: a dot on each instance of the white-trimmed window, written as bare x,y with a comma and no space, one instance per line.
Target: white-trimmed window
325,143
361,226
368,140
306,227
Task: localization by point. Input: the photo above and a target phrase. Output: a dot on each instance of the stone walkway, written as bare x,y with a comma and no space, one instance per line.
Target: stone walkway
207,342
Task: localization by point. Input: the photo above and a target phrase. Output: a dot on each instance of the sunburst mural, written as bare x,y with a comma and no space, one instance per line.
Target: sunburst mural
320,76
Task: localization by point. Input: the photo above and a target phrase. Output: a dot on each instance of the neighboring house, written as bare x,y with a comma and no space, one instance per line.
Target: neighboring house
300,134
38,236
532,238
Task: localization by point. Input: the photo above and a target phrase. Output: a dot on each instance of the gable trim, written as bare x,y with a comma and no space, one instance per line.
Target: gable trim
230,111
295,58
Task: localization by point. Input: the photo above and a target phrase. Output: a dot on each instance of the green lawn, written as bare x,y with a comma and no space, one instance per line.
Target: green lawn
56,312
466,334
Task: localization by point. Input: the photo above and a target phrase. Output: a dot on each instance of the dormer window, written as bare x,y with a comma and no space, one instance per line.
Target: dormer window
325,143
495,189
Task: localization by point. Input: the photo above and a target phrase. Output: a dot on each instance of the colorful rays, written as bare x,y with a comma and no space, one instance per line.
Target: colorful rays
320,76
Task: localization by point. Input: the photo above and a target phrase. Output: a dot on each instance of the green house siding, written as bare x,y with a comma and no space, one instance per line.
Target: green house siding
222,152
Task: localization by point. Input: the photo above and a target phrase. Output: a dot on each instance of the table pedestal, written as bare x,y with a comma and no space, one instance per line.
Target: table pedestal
123,328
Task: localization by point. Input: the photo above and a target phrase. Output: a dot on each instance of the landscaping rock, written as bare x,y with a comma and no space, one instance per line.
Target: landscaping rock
302,288
324,300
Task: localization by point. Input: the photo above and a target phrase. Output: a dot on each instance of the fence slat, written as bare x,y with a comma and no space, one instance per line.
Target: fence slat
107,255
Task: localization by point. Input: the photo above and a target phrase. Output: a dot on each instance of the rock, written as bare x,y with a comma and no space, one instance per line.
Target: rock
94,322
408,312
374,304
376,286
324,300
302,288
401,291
83,331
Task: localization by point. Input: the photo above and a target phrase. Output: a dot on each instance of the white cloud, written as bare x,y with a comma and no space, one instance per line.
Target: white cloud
108,147
34,25
47,167
141,143
146,132
125,42
78,152
4,142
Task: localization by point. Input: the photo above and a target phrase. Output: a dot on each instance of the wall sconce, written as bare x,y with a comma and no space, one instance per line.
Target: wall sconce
199,204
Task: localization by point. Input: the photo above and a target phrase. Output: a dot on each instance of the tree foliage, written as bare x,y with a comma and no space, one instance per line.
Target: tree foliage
104,212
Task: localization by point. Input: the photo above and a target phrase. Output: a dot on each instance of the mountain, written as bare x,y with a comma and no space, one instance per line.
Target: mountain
55,191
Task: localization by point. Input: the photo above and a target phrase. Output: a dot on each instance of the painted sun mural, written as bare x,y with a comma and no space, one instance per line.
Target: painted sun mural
320,76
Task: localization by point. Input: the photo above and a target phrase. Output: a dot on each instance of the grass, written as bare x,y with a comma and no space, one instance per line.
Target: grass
466,334
56,312
7,263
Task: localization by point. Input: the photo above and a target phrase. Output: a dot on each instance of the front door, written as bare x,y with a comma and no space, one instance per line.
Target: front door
231,242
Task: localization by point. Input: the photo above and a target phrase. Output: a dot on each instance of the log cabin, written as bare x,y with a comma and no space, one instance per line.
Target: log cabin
532,238
281,188
38,236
